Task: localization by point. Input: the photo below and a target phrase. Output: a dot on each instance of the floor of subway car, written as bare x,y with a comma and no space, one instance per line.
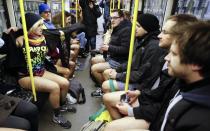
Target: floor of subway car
83,110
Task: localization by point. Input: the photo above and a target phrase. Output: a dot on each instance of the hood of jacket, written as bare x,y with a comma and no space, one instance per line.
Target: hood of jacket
197,92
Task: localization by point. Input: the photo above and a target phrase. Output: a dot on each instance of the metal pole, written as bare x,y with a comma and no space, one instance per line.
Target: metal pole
131,44
63,16
22,12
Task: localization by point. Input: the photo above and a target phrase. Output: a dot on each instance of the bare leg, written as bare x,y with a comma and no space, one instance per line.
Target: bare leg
44,85
106,87
75,48
127,123
110,100
97,59
61,81
98,69
106,73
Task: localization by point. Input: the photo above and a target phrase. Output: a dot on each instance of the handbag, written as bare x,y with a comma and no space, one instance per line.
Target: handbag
77,91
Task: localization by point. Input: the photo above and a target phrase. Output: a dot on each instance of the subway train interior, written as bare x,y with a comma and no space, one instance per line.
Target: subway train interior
104,65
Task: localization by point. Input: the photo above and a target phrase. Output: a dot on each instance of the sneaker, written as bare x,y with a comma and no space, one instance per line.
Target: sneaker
70,100
97,93
62,121
68,108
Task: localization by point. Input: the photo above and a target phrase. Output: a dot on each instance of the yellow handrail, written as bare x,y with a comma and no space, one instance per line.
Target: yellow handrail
131,44
63,16
76,11
110,7
22,12
113,4
119,4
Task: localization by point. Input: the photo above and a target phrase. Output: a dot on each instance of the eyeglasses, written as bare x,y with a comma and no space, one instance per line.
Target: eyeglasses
114,17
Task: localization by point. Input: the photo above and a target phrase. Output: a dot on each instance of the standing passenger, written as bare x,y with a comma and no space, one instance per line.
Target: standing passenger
90,13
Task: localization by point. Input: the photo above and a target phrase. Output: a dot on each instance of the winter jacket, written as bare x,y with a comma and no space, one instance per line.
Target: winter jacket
150,100
146,66
90,17
12,51
120,42
192,112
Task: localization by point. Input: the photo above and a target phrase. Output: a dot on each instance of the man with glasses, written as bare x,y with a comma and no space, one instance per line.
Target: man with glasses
117,49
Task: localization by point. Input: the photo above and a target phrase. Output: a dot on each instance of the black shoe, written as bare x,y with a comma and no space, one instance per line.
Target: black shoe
62,121
97,85
97,93
68,108
82,53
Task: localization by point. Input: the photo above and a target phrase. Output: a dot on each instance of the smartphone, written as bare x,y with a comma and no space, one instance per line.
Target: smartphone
124,98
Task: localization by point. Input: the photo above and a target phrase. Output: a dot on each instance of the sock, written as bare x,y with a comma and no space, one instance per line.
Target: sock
56,111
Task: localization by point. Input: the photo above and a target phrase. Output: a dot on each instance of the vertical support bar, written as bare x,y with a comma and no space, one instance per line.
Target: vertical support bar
131,44
119,4
110,7
27,48
113,4
63,16
76,11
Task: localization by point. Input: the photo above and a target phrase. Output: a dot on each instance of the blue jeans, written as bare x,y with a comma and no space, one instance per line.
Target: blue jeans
82,39
91,41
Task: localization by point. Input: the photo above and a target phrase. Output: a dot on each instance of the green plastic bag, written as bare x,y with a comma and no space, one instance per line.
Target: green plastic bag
101,115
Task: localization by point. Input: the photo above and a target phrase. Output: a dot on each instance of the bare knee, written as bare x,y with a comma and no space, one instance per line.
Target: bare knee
105,86
94,68
64,84
111,127
107,98
55,89
106,73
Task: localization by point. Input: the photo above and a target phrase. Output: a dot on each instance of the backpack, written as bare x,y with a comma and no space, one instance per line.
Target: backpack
77,91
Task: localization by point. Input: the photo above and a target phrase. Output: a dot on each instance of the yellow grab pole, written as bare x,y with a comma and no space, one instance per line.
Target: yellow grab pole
110,7
131,44
27,48
76,11
113,4
63,16
118,4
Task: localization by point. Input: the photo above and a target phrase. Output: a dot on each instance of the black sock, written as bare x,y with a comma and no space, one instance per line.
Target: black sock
63,102
56,111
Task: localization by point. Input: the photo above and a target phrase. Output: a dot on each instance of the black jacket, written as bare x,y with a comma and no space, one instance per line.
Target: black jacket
90,17
192,113
14,55
146,64
150,100
120,42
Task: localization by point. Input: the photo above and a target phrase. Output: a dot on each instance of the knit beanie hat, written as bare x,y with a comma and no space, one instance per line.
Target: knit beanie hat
31,19
149,22
43,8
